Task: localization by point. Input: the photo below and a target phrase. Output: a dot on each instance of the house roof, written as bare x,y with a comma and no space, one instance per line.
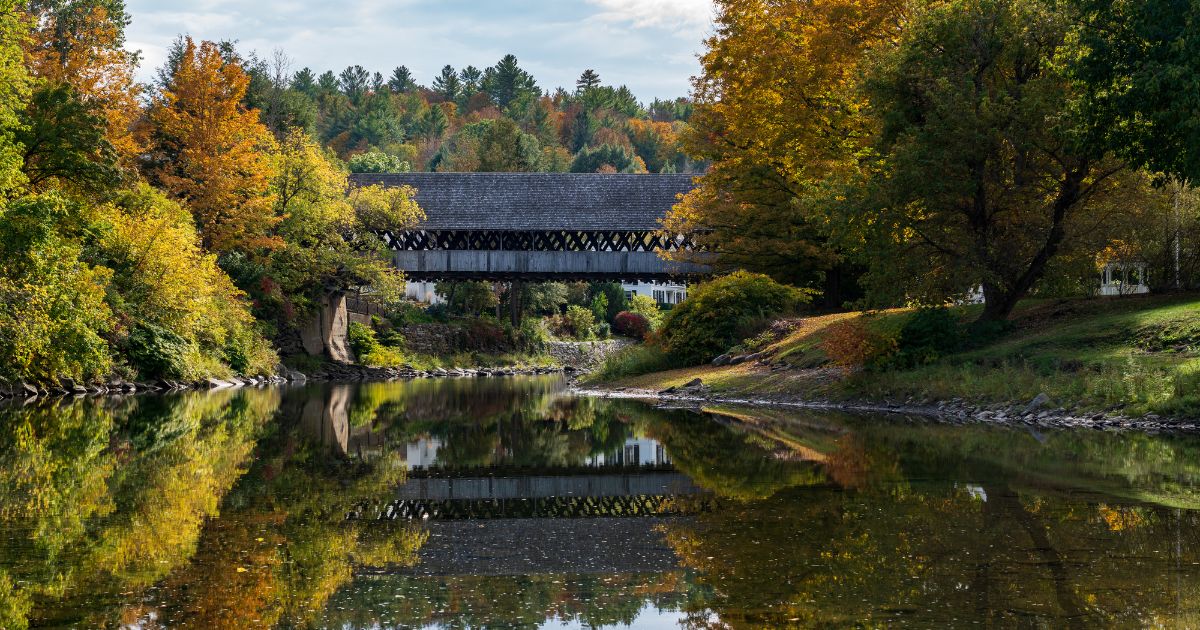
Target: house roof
538,201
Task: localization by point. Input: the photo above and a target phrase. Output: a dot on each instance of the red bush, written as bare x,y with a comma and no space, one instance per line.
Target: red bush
631,324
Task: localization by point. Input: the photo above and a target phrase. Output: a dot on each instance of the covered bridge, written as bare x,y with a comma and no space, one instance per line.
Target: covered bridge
539,226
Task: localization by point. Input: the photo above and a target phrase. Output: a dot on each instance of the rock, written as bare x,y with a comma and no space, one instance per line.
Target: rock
721,360
296,377
738,360
216,383
29,390
1037,403
69,385
694,383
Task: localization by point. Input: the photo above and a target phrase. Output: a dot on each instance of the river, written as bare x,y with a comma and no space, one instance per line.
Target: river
511,503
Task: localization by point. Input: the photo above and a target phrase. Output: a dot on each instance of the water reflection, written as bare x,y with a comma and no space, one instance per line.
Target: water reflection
511,504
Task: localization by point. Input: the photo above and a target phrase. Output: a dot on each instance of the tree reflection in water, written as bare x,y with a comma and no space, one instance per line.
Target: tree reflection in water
228,509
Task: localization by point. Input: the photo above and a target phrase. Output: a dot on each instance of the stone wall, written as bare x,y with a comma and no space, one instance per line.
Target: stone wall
584,355
434,339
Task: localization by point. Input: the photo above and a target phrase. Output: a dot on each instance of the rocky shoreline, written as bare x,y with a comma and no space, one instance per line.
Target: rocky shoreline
1037,413
329,373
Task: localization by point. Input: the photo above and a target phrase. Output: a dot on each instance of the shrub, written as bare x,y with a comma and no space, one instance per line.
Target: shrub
362,338
483,334
603,330
368,350
719,313
531,336
158,352
634,361
581,322
852,345
407,313
631,324
600,307
645,306
928,335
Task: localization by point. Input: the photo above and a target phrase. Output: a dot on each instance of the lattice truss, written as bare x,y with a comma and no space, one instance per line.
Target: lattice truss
551,241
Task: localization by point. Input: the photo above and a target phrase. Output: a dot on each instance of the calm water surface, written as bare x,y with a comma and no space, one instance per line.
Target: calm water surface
494,503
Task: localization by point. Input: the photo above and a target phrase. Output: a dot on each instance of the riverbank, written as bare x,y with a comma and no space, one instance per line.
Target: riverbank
1123,363
327,373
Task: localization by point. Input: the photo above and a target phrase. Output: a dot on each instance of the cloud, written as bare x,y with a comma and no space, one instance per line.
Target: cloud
643,13
649,45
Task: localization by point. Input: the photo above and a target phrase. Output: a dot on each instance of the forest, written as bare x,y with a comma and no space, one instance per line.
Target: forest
178,229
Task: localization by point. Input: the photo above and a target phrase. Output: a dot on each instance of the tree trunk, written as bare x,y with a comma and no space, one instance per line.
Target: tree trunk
1000,302
997,303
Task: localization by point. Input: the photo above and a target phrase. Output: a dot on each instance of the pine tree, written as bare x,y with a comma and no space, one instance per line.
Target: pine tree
447,84
402,80
588,80
506,81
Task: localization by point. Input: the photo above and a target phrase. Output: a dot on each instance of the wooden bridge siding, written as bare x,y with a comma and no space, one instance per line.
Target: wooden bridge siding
550,264
673,484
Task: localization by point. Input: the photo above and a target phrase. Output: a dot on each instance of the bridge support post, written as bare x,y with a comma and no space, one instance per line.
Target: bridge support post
514,302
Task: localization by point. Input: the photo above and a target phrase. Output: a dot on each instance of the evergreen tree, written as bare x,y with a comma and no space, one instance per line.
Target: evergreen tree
588,80
447,84
354,81
327,83
506,81
305,82
402,80
584,126
472,80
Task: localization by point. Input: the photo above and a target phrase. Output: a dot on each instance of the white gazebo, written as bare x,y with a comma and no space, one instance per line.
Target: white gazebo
1124,278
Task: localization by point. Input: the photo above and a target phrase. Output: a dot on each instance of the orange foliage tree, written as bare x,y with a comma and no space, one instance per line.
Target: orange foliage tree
779,116
214,154
82,46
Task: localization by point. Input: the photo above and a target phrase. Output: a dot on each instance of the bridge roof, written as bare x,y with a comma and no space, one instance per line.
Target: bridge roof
535,202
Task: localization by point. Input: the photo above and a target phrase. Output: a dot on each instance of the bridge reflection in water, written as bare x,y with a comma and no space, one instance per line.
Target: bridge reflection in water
512,492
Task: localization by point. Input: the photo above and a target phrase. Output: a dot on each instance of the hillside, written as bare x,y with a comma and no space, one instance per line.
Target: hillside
1130,355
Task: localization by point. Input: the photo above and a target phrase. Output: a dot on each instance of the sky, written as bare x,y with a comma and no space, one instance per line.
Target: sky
649,45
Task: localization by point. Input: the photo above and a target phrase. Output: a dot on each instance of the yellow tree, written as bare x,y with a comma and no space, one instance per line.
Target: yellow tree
212,153
778,115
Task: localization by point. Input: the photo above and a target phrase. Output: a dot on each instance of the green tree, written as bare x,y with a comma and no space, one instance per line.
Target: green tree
377,162
401,80
721,312
607,158
588,80
447,84
468,298
982,177
53,315
64,140
14,88
1140,64
506,81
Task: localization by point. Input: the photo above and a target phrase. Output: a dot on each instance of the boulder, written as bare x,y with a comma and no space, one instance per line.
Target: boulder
722,360
1041,400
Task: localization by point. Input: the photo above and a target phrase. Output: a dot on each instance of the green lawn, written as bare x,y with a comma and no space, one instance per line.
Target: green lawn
1136,355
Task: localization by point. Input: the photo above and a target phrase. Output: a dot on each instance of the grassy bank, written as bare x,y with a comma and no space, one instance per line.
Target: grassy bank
1134,355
